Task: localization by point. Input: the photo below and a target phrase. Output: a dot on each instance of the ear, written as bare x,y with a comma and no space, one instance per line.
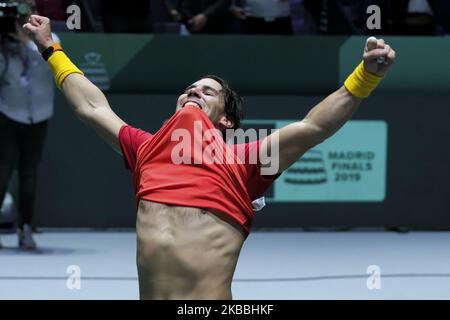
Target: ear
225,123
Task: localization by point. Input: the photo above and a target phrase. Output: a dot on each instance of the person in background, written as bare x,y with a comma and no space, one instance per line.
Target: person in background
442,13
52,8
200,16
272,17
342,17
26,105
398,17
132,17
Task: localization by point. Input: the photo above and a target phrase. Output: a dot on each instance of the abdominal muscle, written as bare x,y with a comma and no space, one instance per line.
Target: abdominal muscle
185,252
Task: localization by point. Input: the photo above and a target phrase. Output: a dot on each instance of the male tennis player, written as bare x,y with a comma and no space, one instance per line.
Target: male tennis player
193,214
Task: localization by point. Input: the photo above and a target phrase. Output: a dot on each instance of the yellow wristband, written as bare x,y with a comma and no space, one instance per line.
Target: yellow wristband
361,83
61,67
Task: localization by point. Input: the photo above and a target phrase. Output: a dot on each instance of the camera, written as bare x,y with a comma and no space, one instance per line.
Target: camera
9,13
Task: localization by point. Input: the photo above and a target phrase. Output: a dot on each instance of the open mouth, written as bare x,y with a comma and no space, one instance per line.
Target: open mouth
192,104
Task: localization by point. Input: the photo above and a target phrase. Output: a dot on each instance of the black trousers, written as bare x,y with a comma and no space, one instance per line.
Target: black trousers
21,145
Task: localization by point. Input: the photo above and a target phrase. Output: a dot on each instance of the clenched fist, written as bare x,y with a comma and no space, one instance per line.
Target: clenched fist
39,30
378,56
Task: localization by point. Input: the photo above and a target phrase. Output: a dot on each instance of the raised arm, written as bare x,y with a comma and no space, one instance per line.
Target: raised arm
88,102
334,111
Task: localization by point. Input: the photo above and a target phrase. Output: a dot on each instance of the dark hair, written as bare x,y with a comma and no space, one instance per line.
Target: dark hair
233,101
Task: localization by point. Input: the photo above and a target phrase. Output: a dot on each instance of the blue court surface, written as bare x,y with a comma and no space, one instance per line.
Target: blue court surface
273,265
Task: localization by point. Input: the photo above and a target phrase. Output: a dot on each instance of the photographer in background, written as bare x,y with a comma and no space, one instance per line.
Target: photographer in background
26,105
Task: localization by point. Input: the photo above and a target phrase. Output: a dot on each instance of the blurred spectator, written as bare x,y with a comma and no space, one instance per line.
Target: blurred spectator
236,22
26,105
442,15
403,18
53,9
200,16
264,16
173,7
334,17
132,16
420,17
162,20
398,17
302,20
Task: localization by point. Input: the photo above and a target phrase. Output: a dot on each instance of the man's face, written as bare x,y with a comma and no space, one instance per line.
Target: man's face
207,95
